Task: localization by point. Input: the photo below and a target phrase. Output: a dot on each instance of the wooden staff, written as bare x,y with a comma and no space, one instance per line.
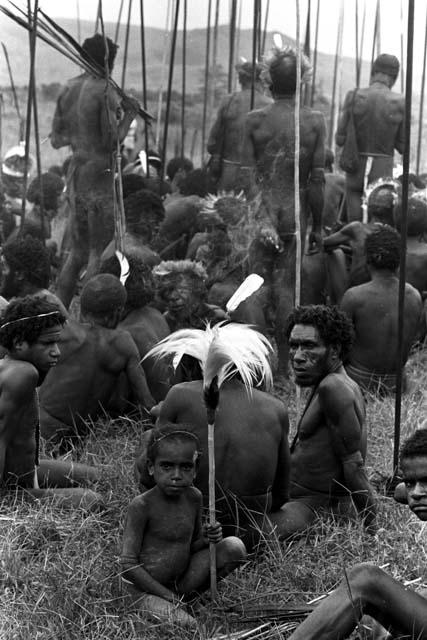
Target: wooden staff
169,93
79,28
98,16
165,51
421,113
233,16
125,55
403,232
402,48
333,111
238,31
359,54
38,154
376,35
184,79
214,64
144,79
32,25
316,39
264,33
206,89
307,51
298,259
118,23
15,95
254,50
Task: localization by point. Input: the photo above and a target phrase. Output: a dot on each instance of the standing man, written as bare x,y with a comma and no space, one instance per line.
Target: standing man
268,165
328,451
378,115
226,136
90,117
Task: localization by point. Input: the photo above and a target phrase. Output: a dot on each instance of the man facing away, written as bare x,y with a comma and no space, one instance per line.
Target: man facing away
328,451
373,309
226,136
378,115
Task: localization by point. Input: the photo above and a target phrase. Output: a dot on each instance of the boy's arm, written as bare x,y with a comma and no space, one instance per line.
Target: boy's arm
337,404
204,534
133,535
280,491
135,372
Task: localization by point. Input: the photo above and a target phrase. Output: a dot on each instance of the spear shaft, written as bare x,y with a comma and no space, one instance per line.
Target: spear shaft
125,55
233,17
169,90
144,79
421,114
184,71
205,93
316,39
15,95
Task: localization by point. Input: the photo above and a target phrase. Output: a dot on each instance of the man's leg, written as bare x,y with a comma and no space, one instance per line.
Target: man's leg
354,192
373,592
230,553
155,606
64,474
338,278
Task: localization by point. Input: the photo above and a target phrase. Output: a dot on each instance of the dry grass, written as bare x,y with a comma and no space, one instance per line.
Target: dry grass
58,569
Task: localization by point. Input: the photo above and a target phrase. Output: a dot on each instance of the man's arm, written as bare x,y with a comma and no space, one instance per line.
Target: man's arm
337,403
343,120
115,117
316,183
280,490
343,236
248,164
399,142
59,136
215,140
133,535
135,372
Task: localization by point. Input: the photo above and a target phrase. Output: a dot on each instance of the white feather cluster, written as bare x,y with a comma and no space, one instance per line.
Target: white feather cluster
222,351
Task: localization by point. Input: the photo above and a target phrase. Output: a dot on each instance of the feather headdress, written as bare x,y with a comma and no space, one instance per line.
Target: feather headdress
222,351
279,51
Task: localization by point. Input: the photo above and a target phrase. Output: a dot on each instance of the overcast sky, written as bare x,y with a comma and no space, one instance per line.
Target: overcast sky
282,16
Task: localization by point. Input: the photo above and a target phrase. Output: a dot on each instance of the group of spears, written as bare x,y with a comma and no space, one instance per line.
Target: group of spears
163,299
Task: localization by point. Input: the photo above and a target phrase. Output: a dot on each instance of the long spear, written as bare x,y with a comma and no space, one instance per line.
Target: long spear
214,61
264,33
298,254
206,88
144,79
316,39
233,15
125,55
421,114
38,154
376,36
403,232
239,29
165,51
169,93
15,95
307,51
119,18
402,47
184,73
254,49
79,30
335,81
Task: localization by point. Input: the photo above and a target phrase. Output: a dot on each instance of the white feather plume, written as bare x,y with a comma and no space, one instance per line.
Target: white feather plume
249,285
222,351
277,39
124,267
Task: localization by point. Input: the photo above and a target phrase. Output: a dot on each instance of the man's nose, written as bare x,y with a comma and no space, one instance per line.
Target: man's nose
419,490
55,351
299,354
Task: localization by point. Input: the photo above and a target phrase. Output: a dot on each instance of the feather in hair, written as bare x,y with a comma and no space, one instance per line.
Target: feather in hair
124,267
249,285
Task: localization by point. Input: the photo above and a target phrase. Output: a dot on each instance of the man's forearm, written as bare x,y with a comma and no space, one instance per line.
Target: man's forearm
361,492
316,194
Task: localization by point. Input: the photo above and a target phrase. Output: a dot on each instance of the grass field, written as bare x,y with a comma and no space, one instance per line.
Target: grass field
59,569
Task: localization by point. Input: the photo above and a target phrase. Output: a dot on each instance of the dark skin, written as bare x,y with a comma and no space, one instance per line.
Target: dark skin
331,445
375,593
94,355
246,465
373,309
165,547
268,152
22,370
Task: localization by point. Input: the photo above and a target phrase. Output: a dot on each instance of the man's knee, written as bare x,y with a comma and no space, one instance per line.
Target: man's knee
231,551
365,579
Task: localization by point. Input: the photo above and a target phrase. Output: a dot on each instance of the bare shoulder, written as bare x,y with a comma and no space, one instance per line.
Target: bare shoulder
255,117
122,341
334,388
140,505
413,294
194,496
17,376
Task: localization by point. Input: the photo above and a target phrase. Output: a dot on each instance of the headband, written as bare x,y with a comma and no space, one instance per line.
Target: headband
40,315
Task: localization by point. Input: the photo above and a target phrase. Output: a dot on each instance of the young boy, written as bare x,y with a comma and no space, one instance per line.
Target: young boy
165,547
374,592
29,331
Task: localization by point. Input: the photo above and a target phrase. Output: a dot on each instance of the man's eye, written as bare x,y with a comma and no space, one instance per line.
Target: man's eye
187,467
408,484
165,465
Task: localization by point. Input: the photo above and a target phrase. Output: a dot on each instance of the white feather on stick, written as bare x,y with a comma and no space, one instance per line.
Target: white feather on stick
278,42
249,285
124,267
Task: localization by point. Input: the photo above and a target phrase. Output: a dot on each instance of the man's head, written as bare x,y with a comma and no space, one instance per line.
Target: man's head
144,212
140,282
53,187
172,455
381,203
413,463
25,266
281,71
386,67
180,166
181,286
30,329
245,73
320,338
383,249
102,301
94,48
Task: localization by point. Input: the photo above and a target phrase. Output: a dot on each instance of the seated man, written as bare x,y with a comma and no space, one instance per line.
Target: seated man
328,451
252,472
25,270
29,332
373,309
373,592
146,325
94,354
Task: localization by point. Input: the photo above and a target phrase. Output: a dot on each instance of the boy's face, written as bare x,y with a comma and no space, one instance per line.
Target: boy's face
44,353
414,471
174,468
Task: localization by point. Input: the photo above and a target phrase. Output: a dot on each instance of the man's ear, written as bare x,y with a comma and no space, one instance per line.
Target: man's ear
19,345
335,351
150,468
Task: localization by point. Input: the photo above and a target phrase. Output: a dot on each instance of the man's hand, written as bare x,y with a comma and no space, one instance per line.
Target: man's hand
212,533
269,236
315,242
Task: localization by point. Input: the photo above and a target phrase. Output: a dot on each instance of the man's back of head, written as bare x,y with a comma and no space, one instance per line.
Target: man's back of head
102,300
94,48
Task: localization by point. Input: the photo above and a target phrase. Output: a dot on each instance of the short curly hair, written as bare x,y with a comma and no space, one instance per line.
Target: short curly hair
30,257
94,50
140,282
171,431
144,211
383,248
415,445
333,325
52,185
25,319
176,164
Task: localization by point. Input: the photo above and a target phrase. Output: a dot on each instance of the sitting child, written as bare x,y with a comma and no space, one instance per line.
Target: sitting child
165,547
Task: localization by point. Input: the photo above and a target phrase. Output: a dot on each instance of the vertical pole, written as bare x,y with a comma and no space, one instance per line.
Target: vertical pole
214,61
212,515
119,18
205,94
184,70
239,28
125,55
402,49
335,80
403,232
298,254
357,58
38,154
375,36
307,51
421,113
169,93
231,44
254,50
79,30
264,33
316,39
165,52
144,79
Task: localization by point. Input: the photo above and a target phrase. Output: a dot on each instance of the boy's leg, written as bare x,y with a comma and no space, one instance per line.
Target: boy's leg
61,473
155,606
230,553
373,592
